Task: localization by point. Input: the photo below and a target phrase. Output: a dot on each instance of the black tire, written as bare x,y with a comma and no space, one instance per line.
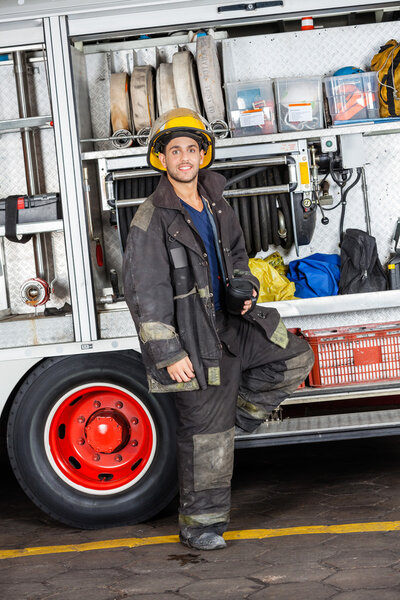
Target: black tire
59,385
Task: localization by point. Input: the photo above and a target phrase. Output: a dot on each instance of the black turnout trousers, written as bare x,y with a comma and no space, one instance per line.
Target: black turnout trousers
256,376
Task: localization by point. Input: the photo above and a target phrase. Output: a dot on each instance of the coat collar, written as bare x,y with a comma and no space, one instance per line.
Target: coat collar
211,186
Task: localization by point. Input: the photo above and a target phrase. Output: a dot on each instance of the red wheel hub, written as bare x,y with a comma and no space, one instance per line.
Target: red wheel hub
101,438
107,431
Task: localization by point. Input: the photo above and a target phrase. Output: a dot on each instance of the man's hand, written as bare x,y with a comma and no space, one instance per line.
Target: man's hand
181,370
247,303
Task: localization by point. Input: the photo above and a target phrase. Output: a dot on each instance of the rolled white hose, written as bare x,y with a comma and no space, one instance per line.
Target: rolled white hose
142,97
185,81
210,77
120,110
165,88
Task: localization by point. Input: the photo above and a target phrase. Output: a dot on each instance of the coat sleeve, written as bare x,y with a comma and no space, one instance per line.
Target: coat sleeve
148,290
240,259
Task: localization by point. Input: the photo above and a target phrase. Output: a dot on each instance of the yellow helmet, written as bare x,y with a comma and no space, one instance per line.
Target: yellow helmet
180,122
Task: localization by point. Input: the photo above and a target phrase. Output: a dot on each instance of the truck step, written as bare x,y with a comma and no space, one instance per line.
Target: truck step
321,428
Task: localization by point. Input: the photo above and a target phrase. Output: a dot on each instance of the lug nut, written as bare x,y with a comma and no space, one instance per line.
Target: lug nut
134,421
81,442
118,457
81,419
134,443
96,404
96,457
119,404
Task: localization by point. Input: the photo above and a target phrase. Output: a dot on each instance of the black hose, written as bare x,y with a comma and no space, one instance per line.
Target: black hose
141,187
284,205
243,175
148,186
344,201
273,211
121,215
255,218
346,174
245,219
234,201
263,214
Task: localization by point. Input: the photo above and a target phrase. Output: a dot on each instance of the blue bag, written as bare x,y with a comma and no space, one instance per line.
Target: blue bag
316,275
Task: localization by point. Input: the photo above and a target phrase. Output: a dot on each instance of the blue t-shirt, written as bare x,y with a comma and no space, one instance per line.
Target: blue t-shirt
203,225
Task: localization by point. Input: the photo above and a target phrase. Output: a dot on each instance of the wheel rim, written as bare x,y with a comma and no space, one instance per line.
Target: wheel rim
100,439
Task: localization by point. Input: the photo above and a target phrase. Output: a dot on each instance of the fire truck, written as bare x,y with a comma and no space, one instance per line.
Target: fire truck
80,85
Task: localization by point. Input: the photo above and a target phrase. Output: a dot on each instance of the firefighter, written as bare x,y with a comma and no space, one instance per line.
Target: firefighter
184,258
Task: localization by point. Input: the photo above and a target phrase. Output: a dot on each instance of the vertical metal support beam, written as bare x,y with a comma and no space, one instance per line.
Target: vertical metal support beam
3,289
30,157
70,175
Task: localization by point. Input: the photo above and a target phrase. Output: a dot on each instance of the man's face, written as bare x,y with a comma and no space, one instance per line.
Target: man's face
182,158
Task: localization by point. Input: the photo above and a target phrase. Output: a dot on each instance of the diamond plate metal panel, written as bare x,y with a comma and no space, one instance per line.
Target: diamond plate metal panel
19,332
304,53
8,93
116,323
47,160
82,97
122,61
20,266
98,71
12,163
61,282
112,246
38,88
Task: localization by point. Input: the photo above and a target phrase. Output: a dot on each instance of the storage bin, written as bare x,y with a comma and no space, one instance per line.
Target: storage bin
299,103
250,107
354,355
353,97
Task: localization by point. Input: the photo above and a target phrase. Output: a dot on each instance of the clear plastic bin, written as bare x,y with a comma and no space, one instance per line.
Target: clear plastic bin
353,97
250,107
299,103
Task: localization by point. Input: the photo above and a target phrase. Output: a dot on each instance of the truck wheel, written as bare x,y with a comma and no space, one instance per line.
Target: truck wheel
89,444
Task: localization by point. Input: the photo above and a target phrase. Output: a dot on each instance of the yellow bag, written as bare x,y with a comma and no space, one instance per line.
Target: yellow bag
276,261
386,62
274,285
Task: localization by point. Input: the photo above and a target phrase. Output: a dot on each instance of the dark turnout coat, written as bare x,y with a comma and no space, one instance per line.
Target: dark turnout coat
167,284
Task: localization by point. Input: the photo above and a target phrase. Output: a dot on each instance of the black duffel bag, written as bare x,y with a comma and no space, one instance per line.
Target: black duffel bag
360,267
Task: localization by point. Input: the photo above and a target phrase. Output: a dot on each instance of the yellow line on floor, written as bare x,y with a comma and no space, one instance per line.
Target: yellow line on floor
246,534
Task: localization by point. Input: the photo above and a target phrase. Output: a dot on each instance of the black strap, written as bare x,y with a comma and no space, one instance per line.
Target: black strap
396,238
11,221
392,85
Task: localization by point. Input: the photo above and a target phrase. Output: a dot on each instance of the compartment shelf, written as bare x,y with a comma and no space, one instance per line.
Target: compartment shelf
138,153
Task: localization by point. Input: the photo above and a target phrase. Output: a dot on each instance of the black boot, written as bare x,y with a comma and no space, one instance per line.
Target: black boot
207,540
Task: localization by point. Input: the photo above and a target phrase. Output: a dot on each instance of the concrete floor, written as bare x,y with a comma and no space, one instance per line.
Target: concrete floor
333,483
